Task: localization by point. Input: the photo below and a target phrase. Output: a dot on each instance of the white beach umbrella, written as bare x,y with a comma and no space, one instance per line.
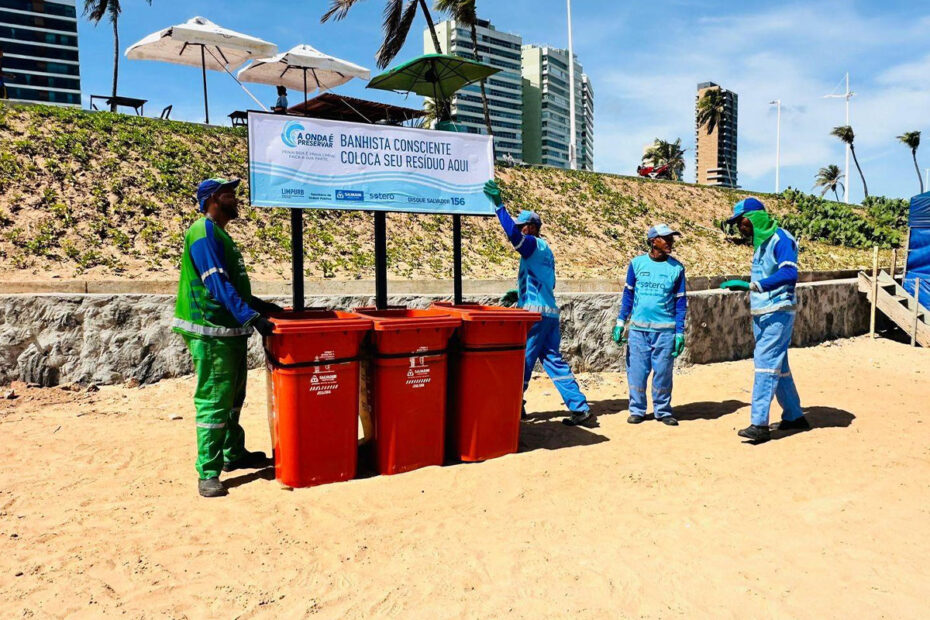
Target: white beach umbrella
303,67
198,42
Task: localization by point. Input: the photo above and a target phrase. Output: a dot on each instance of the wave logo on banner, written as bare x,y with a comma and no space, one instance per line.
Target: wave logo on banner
290,133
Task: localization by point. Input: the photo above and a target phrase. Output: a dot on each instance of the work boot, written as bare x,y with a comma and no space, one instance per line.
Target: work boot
578,418
523,411
756,434
798,424
668,420
634,419
211,487
249,460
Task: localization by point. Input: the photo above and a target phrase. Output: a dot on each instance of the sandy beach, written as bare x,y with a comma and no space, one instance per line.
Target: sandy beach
99,512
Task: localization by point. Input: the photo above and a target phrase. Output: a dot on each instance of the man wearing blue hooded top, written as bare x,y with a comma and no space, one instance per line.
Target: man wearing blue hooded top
536,293
772,302
652,313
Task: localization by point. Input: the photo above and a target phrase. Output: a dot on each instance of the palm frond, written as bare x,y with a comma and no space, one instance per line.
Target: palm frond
911,139
338,9
395,32
844,133
462,11
95,10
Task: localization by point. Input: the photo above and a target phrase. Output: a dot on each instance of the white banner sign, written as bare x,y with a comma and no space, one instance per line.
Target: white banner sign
311,163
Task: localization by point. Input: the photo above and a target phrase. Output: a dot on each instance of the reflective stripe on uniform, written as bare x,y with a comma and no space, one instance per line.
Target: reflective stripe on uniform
787,263
768,310
210,272
651,325
769,371
208,425
517,247
203,330
565,378
541,309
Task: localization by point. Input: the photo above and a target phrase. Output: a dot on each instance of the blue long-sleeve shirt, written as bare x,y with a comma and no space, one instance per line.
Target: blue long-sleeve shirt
209,254
524,244
654,295
536,279
774,274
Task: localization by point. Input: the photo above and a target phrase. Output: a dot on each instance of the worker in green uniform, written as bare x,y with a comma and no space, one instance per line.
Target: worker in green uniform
215,313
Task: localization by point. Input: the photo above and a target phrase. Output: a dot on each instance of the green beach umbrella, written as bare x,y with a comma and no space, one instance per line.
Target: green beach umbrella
433,75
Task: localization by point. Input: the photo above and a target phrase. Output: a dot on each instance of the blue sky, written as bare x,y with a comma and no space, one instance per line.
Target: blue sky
644,59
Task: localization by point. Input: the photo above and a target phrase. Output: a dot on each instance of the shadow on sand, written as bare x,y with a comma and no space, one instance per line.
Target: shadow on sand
707,409
265,473
819,417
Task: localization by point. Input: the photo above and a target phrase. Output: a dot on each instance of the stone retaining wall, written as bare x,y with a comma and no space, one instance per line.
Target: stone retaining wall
53,339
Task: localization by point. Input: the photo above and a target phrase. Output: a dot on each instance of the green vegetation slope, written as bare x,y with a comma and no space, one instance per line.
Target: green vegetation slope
101,195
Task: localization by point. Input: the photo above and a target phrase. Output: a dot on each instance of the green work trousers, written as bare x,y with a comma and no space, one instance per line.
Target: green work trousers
221,369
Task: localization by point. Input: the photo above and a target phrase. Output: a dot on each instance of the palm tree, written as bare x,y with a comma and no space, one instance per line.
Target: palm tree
711,110
663,153
912,140
828,178
846,134
95,10
397,21
463,12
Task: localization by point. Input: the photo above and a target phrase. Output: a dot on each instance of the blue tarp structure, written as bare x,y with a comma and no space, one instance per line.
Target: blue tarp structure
918,251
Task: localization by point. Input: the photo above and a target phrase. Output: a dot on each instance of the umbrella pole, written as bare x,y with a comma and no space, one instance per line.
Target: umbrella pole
380,260
305,91
203,66
297,258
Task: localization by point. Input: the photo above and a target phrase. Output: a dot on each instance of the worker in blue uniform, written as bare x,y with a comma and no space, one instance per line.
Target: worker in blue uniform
652,319
772,302
536,293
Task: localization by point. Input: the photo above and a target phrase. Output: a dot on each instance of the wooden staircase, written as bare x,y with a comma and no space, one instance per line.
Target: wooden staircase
898,305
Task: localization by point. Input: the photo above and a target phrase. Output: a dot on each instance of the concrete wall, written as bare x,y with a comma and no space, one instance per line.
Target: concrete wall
111,338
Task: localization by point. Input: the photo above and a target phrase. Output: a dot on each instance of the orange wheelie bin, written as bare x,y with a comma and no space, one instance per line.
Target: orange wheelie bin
486,380
408,386
313,382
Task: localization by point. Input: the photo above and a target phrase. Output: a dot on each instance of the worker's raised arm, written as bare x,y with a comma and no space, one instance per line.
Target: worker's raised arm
524,244
786,256
208,259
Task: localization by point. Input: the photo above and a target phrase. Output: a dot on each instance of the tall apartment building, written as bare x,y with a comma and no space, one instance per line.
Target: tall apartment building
504,89
546,127
716,151
39,40
586,145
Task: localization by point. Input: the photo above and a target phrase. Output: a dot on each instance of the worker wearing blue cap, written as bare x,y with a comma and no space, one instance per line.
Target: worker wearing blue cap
536,293
772,302
215,313
652,320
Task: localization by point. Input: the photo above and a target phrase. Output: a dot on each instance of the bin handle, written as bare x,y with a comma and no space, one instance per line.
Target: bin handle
389,356
279,364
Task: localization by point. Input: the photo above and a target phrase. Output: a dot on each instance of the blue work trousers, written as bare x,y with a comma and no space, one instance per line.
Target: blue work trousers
773,376
542,344
650,352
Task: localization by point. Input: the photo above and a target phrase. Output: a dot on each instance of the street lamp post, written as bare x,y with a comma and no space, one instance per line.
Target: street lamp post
847,96
777,104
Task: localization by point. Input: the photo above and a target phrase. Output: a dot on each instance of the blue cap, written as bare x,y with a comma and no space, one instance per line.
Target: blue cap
745,206
661,230
528,217
210,186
